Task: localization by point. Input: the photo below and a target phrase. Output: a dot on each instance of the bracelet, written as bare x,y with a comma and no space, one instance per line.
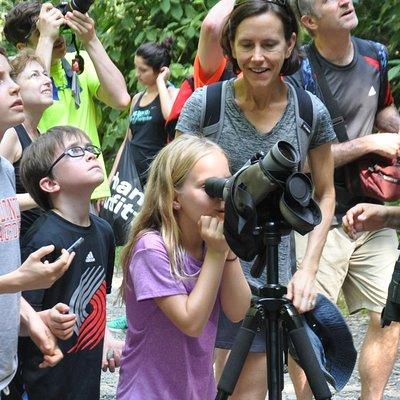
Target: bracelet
231,259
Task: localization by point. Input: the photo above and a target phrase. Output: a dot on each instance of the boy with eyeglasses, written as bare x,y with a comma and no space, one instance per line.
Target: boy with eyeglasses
17,315
60,171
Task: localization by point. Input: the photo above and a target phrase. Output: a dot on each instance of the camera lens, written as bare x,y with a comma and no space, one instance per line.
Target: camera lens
81,5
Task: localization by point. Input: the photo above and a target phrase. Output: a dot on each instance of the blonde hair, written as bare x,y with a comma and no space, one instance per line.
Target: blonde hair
167,174
22,59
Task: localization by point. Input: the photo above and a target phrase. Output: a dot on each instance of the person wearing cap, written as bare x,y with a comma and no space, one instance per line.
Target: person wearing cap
43,27
361,267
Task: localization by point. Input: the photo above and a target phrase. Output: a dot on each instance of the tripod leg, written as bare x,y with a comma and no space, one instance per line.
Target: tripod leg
274,356
239,352
305,352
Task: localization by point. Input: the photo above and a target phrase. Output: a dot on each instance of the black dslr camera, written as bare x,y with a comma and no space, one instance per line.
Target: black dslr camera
82,6
79,5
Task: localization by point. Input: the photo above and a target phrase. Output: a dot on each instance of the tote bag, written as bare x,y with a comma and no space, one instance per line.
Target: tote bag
126,197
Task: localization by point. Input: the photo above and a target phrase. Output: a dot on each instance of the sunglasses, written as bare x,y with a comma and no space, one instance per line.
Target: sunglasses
75,152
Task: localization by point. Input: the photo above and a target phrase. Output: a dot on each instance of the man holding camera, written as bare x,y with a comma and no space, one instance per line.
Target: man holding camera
361,266
75,86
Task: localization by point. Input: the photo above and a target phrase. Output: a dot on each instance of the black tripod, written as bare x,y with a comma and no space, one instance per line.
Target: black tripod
276,313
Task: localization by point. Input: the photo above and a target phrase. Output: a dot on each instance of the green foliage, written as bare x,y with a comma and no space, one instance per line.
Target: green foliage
5,5
123,25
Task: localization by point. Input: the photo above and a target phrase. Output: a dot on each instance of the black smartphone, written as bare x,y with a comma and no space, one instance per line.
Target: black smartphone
75,245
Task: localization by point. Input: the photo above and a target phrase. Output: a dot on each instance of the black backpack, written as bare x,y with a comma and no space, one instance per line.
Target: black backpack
185,91
213,111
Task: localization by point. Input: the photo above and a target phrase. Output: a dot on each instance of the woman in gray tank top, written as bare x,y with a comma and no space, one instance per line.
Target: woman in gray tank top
150,108
259,39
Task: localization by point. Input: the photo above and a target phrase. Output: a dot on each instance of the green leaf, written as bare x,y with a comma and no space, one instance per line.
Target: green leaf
190,12
177,11
191,32
165,6
151,35
394,72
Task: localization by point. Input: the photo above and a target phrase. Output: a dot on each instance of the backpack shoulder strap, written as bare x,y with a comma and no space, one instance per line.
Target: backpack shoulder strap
306,118
213,110
307,75
375,52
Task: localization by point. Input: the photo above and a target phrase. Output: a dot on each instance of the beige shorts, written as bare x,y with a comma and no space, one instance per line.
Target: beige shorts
362,268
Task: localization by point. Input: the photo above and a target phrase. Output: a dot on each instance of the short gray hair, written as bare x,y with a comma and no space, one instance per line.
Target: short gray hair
303,7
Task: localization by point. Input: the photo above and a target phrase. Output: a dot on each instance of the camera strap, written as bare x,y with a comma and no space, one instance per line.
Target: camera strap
78,63
338,122
73,82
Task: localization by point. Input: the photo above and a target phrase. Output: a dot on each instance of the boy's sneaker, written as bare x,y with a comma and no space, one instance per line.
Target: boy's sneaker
118,324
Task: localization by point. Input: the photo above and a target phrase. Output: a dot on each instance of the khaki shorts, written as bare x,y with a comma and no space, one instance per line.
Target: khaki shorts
362,268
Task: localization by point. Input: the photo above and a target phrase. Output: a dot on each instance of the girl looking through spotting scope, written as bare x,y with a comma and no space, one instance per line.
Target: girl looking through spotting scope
178,271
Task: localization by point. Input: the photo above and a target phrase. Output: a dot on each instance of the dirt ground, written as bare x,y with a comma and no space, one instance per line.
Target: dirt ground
357,323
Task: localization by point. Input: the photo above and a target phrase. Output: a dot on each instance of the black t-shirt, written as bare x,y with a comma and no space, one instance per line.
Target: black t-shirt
83,287
28,217
147,125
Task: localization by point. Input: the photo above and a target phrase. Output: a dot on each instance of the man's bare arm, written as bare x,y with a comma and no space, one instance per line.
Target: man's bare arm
384,144
48,24
388,120
209,50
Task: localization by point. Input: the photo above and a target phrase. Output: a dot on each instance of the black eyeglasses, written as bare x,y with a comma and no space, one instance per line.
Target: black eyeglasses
282,3
75,152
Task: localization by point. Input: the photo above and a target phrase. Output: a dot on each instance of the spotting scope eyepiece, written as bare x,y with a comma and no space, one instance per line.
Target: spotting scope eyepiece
214,187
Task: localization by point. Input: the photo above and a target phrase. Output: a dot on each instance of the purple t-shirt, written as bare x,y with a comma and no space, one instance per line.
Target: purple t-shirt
159,361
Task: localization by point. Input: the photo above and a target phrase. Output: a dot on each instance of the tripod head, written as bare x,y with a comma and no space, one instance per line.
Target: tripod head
266,187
